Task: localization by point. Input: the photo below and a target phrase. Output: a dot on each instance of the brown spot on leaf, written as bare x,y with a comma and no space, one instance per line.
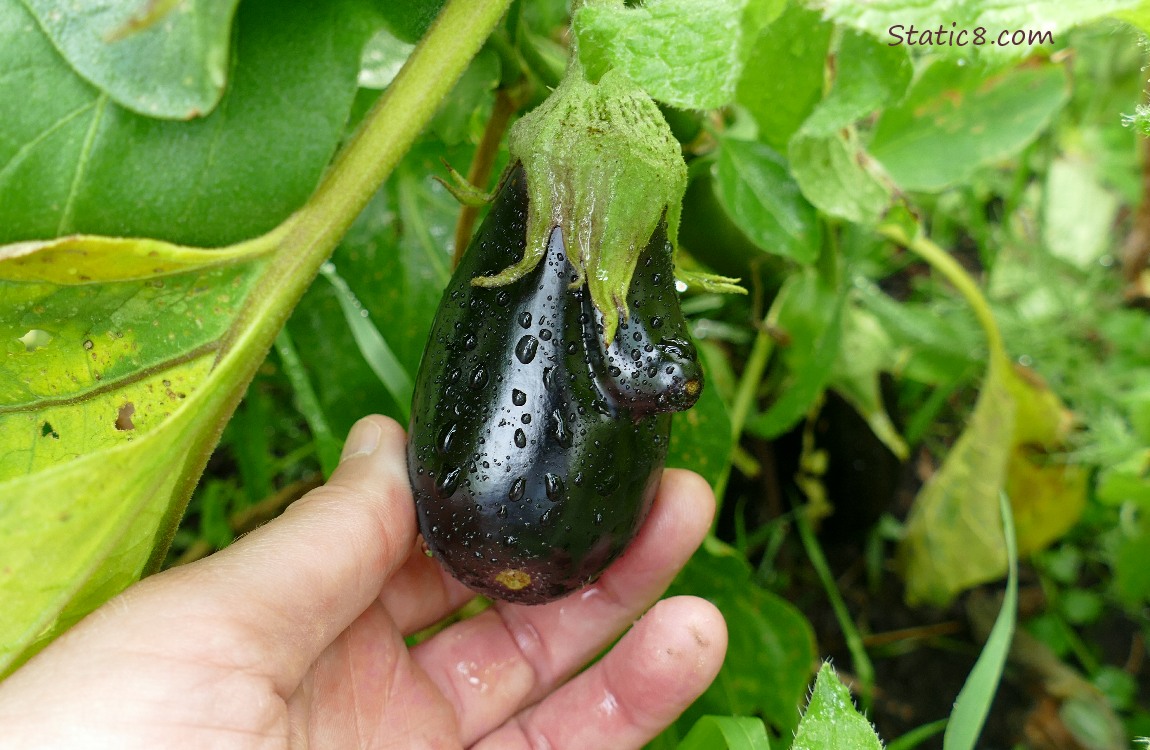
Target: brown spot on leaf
124,417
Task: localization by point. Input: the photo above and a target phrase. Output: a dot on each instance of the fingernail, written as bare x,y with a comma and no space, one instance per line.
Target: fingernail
362,440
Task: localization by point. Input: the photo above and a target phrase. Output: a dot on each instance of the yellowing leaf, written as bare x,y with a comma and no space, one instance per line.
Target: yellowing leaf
98,421
953,534
1046,493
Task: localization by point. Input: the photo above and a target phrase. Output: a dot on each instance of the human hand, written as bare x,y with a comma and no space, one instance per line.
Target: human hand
293,637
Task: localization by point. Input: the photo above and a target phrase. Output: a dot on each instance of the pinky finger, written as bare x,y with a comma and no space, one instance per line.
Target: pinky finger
650,677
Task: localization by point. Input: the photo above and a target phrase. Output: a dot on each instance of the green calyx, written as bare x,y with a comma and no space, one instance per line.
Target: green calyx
603,166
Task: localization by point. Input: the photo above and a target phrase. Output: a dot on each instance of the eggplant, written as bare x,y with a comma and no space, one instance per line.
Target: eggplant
535,446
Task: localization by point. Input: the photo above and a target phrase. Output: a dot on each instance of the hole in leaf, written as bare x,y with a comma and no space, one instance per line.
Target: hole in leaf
35,339
124,417
46,430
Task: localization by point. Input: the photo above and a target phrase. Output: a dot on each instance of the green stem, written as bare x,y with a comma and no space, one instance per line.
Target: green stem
745,395
387,133
306,239
944,263
862,663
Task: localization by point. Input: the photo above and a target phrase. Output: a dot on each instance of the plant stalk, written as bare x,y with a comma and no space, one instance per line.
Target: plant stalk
301,244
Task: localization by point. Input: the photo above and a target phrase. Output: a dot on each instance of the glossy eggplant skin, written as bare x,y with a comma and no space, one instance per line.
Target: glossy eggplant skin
533,463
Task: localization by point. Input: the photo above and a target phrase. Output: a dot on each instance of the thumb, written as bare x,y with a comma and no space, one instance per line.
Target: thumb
294,584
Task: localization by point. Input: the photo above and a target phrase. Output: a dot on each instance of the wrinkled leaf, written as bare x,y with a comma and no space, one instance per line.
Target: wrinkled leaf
754,186
726,733
158,59
837,177
73,161
831,719
957,118
96,425
827,161
686,53
783,78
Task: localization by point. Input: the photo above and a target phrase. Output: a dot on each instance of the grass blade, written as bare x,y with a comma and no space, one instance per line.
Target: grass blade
973,703
371,343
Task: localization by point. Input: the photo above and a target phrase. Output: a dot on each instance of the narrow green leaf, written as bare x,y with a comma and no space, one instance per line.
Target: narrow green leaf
917,736
754,186
372,345
958,118
973,703
831,720
326,443
150,57
726,733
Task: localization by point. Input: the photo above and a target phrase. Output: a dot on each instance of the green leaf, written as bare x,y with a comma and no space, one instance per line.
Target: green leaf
973,703
97,424
831,719
886,18
865,353
771,649
158,58
868,76
686,53
811,314
958,118
409,19
754,186
1078,212
74,161
837,177
726,733
78,531
701,436
783,78
826,158
463,110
